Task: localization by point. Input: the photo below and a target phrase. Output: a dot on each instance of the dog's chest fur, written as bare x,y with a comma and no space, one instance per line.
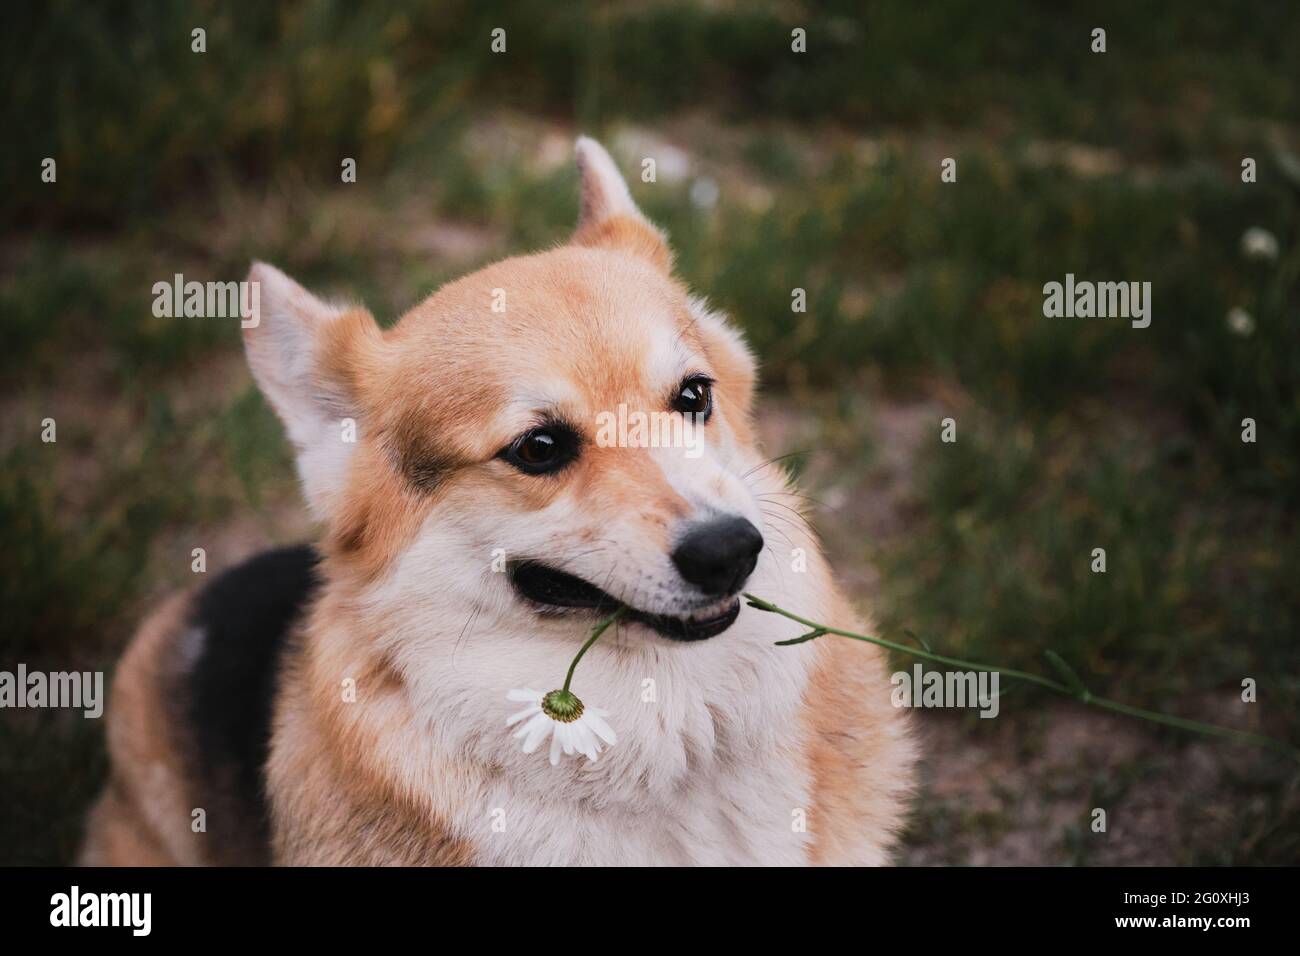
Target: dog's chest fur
708,770
710,766
735,817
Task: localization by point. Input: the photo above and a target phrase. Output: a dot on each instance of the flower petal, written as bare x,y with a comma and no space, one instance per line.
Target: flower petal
595,719
567,736
524,730
538,729
526,712
586,741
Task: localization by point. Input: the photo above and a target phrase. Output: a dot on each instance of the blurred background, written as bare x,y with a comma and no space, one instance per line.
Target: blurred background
775,170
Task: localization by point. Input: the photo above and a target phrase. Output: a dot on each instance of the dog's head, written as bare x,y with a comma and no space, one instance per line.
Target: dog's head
554,434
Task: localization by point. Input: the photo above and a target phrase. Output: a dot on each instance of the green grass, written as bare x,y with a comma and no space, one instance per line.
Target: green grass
136,118
1002,568
1073,434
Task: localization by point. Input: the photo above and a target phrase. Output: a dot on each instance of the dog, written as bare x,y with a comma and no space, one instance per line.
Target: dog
346,703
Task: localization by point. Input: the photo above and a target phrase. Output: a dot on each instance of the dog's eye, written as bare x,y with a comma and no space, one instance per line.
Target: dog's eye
542,449
695,396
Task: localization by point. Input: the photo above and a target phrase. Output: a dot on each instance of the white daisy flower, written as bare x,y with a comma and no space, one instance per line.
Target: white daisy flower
572,727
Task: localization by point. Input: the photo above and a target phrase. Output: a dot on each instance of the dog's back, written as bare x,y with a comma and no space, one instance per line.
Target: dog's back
190,718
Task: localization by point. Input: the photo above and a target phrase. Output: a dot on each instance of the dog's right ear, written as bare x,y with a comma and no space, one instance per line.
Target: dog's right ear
309,359
607,215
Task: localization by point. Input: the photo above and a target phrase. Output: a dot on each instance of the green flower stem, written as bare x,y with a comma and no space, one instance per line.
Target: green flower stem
595,635
1077,692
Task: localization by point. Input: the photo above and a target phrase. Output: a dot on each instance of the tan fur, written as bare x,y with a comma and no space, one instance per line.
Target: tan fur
118,834
381,514
334,793
860,748
143,817
629,235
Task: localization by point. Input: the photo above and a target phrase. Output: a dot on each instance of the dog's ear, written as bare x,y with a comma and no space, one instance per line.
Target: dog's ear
607,216
310,359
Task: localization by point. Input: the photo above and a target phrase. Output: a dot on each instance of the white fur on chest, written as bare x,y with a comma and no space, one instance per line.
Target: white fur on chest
741,817
709,767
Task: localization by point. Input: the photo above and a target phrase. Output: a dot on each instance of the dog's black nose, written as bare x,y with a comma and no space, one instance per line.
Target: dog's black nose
719,555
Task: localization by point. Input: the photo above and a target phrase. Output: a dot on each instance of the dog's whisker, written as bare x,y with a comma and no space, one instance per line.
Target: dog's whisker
797,494
776,530
802,518
466,630
775,459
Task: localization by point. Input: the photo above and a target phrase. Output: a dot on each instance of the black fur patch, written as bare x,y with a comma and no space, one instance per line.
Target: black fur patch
246,616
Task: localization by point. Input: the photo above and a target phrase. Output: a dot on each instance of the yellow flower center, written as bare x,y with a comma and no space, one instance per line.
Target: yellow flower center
562,705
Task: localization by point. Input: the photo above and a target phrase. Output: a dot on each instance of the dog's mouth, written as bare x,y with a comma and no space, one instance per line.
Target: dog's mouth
557,589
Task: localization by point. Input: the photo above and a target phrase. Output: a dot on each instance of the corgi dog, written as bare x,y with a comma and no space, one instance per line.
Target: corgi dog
346,703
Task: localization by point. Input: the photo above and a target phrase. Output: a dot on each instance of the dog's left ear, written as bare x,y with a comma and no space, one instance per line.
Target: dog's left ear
608,217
